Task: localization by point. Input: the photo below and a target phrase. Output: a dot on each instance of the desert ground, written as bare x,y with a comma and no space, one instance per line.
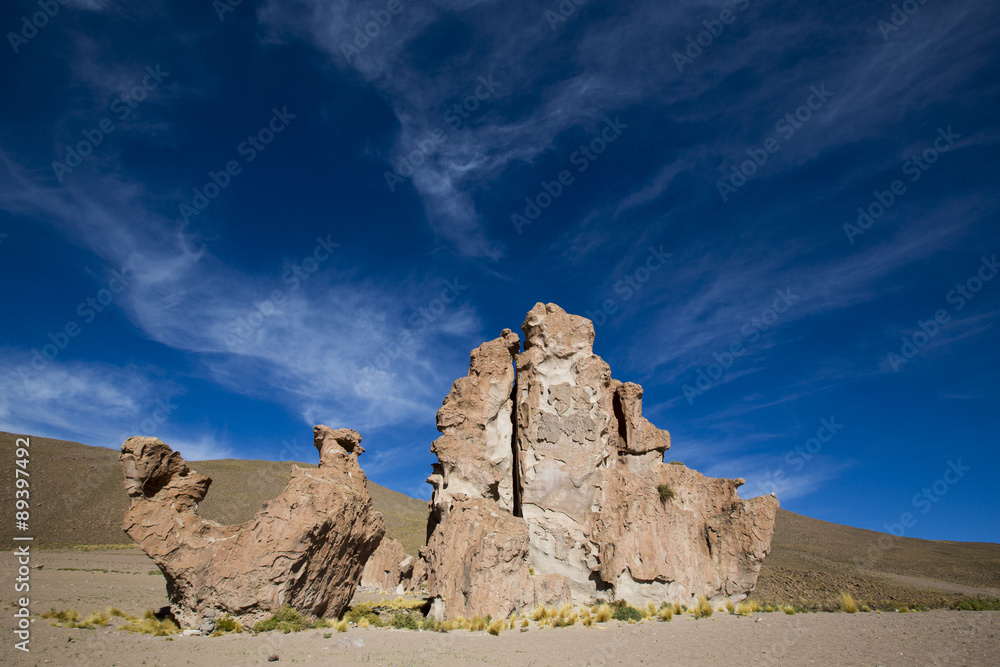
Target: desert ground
71,579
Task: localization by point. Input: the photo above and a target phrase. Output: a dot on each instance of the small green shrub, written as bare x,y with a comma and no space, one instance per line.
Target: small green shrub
978,604
676,463
286,619
403,621
429,624
666,493
626,612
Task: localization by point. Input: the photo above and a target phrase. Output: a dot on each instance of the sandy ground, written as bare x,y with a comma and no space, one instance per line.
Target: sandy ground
932,638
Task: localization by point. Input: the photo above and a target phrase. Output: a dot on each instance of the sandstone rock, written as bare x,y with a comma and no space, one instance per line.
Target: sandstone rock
478,562
578,474
475,457
306,548
384,570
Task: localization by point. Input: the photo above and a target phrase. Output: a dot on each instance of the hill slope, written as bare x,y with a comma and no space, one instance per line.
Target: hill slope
78,498
78,495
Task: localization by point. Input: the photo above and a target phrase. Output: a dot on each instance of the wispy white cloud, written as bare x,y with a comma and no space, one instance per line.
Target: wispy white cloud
94,402
329,351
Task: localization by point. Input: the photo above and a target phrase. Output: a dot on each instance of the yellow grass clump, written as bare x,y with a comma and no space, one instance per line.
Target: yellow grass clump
847,603
603,614
730,607
150,625
478,624
703,608
666,613
495,627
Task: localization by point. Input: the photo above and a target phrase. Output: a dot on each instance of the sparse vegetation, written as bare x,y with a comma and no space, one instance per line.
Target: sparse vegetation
603,614
625,612
703,609
847,603
666,492
666,612
676,463
495,627
226,625
404,621
788,609
978,604
286,619
730,607
479,623
149,624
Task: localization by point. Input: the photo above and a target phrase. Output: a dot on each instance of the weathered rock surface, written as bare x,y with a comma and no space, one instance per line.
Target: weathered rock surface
306,548
475,457
478,562
578,474
384,570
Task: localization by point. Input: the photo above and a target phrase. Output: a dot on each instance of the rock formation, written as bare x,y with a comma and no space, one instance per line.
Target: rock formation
551,487
384,571
306,548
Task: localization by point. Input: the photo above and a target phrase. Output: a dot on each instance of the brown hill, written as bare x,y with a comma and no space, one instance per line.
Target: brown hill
77,498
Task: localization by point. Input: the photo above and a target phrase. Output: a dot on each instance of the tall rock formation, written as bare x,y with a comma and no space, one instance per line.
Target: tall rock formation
571,500
306,548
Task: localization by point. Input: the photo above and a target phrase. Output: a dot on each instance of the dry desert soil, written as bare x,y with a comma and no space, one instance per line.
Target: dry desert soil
73,580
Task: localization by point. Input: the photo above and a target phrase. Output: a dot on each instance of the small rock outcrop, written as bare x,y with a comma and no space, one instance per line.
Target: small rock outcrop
306,548
551,487
384,571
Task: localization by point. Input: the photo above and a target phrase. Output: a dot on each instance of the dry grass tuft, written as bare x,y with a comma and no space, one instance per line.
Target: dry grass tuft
703,609
847,603
495,627
150,625
603,614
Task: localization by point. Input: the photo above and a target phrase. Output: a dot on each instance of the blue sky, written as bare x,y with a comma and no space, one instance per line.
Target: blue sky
224,224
